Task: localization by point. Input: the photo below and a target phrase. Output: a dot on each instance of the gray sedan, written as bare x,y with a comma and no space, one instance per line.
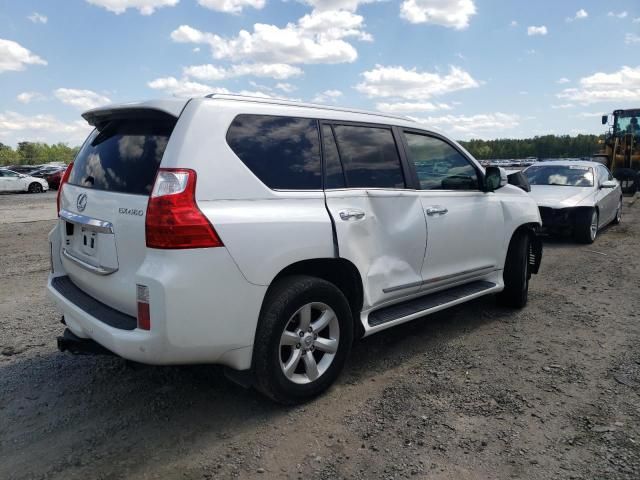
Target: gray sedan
579,196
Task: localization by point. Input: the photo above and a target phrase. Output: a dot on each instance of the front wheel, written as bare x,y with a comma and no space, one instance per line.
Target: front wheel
586,226
303,339
516,272
35,188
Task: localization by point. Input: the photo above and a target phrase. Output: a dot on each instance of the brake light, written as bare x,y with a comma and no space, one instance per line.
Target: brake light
63,180
142,298
173,218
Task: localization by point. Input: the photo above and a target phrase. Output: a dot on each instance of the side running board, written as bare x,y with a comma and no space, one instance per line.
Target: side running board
426,302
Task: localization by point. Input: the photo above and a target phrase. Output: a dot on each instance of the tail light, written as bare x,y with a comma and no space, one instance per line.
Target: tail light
144,317
63,180
173,218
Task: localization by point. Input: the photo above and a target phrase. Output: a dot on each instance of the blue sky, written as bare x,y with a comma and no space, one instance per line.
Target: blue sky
473,68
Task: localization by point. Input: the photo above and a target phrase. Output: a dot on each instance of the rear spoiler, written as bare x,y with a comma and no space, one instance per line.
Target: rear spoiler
171,107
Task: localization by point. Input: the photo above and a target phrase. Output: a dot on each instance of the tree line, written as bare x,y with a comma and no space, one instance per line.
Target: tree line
547,146
36,153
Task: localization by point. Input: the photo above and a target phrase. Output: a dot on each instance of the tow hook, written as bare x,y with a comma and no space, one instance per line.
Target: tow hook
80,346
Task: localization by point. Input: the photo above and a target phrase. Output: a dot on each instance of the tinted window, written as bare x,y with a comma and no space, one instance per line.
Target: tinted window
334,177
560,175
440,166
283,152
123,155
369,157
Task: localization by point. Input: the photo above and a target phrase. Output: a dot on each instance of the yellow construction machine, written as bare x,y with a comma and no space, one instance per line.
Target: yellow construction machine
621,153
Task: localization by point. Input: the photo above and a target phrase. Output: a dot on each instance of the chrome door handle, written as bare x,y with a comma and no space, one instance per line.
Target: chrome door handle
351,214
436,210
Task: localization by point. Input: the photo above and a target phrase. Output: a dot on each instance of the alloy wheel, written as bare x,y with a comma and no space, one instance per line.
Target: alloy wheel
309,343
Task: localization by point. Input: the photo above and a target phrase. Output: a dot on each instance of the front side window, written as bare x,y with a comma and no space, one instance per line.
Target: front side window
283,152
369,157
440,166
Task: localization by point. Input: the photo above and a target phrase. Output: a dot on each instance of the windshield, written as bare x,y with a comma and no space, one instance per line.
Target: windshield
627,123
562,175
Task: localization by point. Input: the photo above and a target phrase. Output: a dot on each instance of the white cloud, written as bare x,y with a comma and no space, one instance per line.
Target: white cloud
14,57
279,71
328,96
631,39
533,30
286,87
580,15
620,86
448,13
318,37
350,5
513,23
231,6
411,107
636,20
28,97
15,127
145,7
562,106
183,87
36,17
588,114
563,80
617,15
411,84
467,126
81,99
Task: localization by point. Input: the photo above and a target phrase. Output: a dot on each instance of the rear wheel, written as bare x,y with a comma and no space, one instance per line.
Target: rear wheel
586,226
303,339
35,188
516,272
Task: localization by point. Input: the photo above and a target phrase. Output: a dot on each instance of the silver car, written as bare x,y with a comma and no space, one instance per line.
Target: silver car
579,196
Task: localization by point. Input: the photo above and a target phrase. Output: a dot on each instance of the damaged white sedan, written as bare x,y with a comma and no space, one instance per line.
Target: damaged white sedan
577,196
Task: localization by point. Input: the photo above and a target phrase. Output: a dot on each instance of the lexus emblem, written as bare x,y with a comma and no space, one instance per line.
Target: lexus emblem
81,202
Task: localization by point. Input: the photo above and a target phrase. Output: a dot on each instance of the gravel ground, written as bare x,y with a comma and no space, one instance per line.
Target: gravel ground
476,392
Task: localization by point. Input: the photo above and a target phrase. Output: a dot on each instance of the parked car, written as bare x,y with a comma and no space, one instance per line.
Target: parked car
11,181
266,235
26,169
54,177
580,196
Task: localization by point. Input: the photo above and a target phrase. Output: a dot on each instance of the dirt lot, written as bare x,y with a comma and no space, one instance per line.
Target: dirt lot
552,391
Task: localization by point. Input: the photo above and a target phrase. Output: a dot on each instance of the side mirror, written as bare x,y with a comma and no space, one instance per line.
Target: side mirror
605,119
609,184
494,178
21,175
519,180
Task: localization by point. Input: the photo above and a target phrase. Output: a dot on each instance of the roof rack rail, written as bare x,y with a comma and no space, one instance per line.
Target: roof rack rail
293,103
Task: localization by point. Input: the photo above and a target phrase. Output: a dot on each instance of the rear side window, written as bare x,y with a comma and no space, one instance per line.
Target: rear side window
283,152
369,157
123,155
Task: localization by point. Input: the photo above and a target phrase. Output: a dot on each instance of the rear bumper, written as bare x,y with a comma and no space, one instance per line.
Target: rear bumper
202,310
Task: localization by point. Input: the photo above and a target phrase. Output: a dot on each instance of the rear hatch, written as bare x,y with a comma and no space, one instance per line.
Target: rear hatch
104,203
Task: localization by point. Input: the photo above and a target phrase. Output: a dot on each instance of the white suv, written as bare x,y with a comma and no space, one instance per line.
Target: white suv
266,235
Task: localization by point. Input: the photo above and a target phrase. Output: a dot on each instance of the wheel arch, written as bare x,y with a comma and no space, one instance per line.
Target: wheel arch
535,254
338,271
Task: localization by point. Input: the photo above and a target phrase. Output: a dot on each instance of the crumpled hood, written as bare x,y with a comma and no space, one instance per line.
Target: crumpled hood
559,197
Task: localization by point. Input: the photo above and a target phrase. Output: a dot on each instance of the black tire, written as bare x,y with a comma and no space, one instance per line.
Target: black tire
629,180
618,217
582,231
35,188
283,301
516,272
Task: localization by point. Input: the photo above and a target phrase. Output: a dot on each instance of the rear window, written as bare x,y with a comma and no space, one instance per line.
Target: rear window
123,155
283,152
